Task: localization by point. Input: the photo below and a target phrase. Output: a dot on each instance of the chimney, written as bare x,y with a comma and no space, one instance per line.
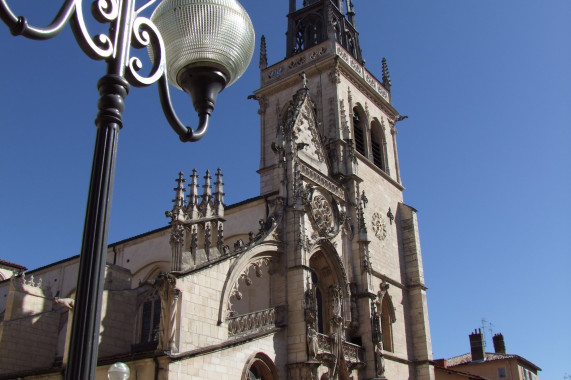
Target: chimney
477,346
442,363
499,345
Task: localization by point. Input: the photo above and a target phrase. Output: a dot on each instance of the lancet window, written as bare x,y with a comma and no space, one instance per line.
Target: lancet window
309,32
359,132
150,318
378,146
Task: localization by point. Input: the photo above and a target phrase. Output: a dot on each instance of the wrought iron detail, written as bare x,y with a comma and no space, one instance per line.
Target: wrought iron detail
129,29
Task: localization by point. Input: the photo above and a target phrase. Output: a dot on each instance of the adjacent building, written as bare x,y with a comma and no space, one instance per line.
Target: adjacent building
319,277
479,364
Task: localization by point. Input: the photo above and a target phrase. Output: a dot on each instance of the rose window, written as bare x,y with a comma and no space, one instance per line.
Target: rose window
322,213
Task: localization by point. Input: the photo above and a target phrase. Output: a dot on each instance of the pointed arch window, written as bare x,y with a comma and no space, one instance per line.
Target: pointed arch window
313,34
378,146
387,319
150,318
351,45
358,130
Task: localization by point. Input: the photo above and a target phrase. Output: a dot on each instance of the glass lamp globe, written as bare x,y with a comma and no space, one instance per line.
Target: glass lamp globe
208,45
118,371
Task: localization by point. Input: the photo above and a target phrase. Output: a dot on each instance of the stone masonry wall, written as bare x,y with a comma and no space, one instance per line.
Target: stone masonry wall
228,364
29,329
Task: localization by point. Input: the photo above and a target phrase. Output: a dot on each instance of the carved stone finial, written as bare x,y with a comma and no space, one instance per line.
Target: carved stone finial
220,237
386,76
361,216
219,194
364,199
177,213
179,201
207,192
263,54
193,195
206,195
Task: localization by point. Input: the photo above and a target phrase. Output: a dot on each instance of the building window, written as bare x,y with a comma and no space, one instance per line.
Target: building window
150,320
378,146
260,367
502,372
359,132
527,374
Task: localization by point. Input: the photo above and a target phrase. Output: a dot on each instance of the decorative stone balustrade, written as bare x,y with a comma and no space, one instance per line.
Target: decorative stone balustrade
252,323
352,352
310,56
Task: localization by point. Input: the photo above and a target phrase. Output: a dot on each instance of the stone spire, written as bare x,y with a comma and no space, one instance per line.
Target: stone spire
219,194
178,212
263,54
206,195
351,13
386,77
179,201
192,209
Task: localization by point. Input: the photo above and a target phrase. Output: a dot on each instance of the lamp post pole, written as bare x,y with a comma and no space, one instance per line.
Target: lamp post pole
202,74
113,88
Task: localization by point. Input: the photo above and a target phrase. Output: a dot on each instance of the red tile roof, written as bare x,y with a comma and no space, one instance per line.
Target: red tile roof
467,359
460,373
12,265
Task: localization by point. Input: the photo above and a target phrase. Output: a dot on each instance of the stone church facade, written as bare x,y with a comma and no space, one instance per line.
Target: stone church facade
319,277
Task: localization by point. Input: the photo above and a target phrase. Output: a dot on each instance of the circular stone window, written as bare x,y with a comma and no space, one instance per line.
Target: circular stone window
322,213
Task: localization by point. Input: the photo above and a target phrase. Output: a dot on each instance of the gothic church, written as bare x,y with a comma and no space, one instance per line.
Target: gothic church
319,277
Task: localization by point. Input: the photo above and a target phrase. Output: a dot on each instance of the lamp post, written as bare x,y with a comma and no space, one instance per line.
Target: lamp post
199,46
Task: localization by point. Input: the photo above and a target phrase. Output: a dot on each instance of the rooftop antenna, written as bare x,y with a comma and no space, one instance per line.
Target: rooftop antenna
489,326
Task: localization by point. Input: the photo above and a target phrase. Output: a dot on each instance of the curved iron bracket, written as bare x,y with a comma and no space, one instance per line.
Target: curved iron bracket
139,32
19,25
186,134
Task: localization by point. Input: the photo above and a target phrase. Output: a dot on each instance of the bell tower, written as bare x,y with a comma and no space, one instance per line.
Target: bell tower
318,21
356,298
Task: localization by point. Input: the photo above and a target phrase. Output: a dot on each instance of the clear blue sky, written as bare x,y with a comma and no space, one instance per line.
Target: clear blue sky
485,155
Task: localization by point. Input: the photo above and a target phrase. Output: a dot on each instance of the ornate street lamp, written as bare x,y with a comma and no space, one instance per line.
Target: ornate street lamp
118,371
200,46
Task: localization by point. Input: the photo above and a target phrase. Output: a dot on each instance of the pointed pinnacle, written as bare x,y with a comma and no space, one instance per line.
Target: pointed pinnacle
263,54
386,76
179,191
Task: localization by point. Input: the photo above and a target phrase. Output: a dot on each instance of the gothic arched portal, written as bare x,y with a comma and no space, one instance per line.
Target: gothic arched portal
329,291
260,367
